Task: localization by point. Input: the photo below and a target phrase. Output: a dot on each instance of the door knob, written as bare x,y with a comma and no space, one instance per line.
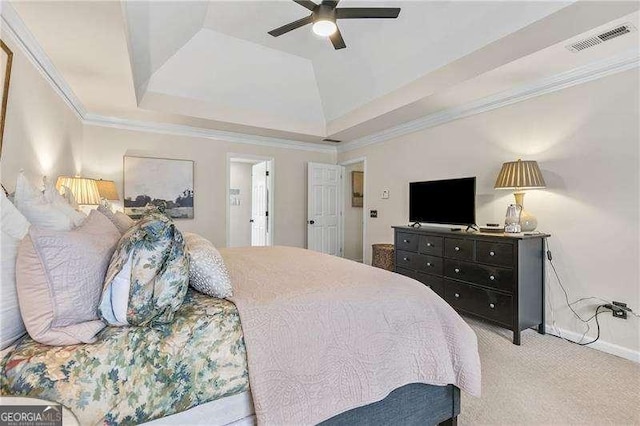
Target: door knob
457,248
311,222
251,220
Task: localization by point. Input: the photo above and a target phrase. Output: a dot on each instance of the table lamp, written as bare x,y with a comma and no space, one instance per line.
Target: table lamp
520,175
84,190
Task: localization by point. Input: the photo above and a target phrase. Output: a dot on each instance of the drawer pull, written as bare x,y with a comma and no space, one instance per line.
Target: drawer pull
429,245
406,259
492,306
428,264
457,270
457,248
457,296
405,241
492,253
492,278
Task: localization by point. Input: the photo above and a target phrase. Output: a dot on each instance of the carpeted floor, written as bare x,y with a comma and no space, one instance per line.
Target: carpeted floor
547,381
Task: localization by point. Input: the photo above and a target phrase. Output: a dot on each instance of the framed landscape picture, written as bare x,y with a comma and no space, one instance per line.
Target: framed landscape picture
161,182
6,57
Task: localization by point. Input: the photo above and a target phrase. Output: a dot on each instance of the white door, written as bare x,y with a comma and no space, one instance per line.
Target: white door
324,222
259,204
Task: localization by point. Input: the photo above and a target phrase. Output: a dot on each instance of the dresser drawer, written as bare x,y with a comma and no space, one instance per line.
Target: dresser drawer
431,245
410,260
490,276
457,248
434,283
407,241
485,303
430,264
494,253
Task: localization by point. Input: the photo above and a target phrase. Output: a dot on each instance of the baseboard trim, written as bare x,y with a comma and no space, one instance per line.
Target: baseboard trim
600,345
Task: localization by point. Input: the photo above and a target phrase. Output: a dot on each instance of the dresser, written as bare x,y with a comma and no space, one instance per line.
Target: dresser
495,277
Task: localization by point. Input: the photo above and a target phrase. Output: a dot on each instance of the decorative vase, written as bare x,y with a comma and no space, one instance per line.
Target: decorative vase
528,222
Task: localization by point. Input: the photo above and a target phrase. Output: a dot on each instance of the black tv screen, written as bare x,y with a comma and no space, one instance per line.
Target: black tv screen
451,201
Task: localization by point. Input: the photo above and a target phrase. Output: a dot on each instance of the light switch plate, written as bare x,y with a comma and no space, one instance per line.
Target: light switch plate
385,194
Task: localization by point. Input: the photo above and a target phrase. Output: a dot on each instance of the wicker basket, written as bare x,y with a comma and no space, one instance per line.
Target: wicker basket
383,256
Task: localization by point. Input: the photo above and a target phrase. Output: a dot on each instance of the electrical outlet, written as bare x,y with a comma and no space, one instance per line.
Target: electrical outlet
620,310
620,314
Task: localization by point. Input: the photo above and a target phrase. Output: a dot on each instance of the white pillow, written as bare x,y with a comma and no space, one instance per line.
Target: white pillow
207,272
39,211
13,228
63,203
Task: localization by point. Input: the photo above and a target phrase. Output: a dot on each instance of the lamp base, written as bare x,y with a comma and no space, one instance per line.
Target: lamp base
528,222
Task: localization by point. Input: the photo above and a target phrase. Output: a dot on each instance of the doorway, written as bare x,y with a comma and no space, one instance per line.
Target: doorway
249,201
354,217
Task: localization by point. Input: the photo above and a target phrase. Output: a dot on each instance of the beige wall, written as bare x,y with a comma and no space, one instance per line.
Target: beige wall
352,218
104,147
586,140
239,216
42,135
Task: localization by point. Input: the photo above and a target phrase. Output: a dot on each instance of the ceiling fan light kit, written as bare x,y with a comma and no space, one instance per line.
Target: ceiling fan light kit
324,28
324,15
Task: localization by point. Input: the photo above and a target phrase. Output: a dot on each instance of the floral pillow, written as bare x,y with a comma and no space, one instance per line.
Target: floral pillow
148,276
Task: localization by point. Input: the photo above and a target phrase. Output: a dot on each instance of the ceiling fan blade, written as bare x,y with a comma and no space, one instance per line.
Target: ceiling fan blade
367,12
307,4
332,3
291,26
337,40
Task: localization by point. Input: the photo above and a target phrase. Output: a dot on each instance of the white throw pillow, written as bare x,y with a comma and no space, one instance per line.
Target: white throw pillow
63,203
207,272
13,229
38,210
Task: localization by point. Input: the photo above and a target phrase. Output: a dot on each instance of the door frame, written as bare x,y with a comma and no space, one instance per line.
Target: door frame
270,184
345,163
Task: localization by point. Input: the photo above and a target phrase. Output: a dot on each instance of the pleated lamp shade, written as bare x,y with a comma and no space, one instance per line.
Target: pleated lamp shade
520,175
84,190
107,190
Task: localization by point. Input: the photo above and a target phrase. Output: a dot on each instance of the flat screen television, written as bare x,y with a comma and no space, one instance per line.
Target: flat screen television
450,201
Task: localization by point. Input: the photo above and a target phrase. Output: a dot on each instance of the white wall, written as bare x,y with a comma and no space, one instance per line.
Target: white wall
104,147
42,135
586,140
239,225
352,218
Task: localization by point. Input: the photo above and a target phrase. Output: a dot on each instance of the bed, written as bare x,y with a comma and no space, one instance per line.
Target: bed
307,338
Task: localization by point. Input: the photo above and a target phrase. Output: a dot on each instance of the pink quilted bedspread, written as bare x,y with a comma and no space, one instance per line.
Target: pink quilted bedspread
325,335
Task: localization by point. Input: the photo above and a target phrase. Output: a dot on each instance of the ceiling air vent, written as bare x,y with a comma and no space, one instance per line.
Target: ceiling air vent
601,38
331,140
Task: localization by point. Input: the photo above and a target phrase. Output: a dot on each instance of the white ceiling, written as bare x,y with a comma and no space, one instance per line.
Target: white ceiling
213,65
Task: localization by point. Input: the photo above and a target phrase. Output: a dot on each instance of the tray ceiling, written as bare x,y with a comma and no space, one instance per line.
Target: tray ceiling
212,64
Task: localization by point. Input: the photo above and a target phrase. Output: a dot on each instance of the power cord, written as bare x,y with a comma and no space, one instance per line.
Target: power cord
607,305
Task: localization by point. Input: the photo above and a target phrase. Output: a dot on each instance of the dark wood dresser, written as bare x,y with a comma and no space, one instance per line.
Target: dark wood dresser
495,277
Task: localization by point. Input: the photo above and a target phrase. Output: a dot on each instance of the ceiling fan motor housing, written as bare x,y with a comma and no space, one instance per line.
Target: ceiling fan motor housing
324,13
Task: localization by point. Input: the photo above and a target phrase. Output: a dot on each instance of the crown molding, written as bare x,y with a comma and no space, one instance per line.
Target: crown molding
198,132
20,34
15,28
625,61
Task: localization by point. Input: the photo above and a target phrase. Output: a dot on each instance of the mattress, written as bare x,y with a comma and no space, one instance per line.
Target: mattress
137,374
235,410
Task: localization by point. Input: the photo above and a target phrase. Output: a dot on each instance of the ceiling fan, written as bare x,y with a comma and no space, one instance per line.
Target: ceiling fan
324,16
